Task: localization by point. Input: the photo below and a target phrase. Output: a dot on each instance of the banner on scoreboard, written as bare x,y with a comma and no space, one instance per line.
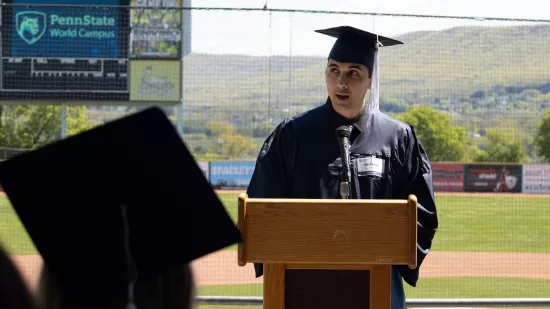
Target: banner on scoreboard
536,178
155,80
64,50
156,33
493,178
155,43
167,16
228,175
448,177
57,31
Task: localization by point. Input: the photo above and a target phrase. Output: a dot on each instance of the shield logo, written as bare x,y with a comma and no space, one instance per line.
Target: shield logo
30,25
511,181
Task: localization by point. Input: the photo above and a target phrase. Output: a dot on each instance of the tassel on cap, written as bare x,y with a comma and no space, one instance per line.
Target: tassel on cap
373,101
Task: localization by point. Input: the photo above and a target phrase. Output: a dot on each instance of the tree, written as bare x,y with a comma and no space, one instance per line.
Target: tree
217,128
236,145
233,144
393,106
542,137
502,147
31,126
442,140
471,152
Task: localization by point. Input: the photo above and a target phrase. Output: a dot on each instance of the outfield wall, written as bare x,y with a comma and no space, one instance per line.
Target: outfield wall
447,177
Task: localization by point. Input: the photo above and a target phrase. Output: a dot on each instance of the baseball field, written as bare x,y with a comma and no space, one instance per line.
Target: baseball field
487,245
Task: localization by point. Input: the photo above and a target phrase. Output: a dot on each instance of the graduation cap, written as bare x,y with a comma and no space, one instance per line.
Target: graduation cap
117,202
358,46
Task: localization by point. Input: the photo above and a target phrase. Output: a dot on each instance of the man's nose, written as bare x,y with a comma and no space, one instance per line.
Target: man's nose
342,83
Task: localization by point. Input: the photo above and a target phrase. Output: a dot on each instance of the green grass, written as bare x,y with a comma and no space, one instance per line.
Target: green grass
427,288
13,235
497,224
230,202
506,224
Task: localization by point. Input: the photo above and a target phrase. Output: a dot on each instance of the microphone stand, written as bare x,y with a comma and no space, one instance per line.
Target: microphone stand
343,134
344,189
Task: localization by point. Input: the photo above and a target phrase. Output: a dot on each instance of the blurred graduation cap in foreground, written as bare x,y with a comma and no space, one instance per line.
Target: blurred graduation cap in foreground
130,184
354,45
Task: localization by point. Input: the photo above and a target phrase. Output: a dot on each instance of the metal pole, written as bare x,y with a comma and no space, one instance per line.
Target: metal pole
290,93
479,302
179,109
180,118
63,120
185,49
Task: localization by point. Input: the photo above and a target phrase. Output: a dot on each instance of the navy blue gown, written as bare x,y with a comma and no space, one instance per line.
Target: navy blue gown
301,159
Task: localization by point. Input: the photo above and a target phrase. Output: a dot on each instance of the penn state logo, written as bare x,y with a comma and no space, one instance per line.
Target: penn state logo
30,25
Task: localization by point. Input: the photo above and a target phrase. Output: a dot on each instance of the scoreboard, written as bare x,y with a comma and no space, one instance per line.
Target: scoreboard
86,49
64,75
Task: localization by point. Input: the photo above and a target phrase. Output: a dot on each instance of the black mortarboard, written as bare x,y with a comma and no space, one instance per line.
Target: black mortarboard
73,197
354,45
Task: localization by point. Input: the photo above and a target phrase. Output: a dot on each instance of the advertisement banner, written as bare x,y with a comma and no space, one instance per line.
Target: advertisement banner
167,16
162,44
448,177
493,178
65,31
536,178
231,175
156,33
155,80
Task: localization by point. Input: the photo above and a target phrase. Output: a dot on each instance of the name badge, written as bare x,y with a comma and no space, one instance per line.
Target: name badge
370,165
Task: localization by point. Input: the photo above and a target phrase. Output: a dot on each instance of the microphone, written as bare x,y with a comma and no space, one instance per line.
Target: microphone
343,134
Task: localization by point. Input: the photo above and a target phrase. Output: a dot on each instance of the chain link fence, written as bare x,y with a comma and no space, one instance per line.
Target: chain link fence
227,77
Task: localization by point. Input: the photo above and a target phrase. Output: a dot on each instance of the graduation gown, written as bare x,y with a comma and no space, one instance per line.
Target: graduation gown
301,159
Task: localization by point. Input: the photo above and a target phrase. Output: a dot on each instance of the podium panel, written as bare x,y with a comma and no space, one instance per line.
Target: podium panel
327,253
327,289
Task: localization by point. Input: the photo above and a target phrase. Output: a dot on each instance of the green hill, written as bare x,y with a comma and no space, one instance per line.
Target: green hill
457,62
222,79
445,65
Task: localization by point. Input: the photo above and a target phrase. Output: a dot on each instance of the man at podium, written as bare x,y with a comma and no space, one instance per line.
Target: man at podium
348,148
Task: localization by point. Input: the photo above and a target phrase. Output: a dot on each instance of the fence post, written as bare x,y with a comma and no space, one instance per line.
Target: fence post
63,120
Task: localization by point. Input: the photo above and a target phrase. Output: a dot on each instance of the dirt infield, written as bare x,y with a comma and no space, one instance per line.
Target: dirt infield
221,268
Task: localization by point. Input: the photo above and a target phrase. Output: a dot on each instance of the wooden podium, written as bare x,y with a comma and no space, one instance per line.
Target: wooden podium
327,253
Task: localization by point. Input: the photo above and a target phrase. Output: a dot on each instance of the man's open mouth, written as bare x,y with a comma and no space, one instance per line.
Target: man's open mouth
342,96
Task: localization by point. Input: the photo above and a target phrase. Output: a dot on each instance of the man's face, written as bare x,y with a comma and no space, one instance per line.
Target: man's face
347,83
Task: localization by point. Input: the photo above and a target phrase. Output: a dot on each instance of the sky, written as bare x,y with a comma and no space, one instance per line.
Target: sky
262,33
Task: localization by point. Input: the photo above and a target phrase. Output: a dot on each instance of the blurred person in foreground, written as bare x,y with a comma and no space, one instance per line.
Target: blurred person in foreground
118,213
14,293
301,158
